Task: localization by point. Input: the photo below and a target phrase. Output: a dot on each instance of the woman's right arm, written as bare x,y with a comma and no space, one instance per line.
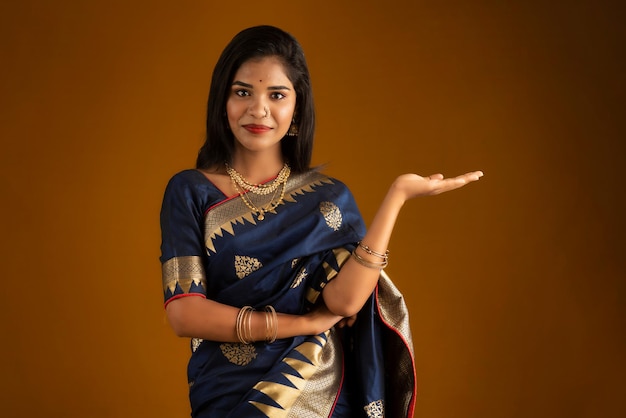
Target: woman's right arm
192,315
197,317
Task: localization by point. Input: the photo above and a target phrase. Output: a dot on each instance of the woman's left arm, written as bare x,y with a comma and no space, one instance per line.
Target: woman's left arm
346,294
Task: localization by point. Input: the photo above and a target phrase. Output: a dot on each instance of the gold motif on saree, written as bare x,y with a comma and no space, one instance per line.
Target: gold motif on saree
195,343
314,382
183,271
294,262
222,218
237,353
332,215
375,409
301,276
245,265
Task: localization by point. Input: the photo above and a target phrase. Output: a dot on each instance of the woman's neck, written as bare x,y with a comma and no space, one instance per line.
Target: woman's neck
257,169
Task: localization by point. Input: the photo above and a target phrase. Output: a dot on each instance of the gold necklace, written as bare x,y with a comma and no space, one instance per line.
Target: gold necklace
260,189
240,184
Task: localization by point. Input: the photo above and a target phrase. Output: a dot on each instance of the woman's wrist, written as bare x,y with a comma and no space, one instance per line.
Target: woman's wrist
396,195
306,324
291,325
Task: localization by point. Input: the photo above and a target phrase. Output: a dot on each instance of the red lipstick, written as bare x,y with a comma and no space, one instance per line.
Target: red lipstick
257,129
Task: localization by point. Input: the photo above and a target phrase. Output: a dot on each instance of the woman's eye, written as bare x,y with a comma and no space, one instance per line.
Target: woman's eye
242,93
278,96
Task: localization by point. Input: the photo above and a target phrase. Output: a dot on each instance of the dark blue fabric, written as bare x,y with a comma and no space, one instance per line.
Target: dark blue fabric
296,238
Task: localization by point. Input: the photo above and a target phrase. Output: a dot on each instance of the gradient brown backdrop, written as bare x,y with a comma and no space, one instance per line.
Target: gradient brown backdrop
515,284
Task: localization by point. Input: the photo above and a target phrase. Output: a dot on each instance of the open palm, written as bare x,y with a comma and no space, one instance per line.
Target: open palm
413,185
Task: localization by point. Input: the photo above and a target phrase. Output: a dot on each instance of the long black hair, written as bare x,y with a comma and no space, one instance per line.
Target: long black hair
254,43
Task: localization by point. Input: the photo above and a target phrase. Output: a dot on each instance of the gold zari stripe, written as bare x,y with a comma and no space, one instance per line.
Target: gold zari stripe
183,271
394,312
224,217
314,383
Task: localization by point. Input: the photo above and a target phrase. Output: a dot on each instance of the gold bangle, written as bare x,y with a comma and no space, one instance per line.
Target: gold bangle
368,250
244,314
271,324
250,337
267,325
238,324
369,264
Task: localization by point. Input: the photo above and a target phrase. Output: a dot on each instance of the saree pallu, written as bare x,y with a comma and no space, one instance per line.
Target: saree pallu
215,247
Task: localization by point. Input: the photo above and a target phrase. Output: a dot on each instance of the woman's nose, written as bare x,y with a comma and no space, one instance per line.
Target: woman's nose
259,109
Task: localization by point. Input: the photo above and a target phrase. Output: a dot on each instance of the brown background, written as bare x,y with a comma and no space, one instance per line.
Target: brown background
515,284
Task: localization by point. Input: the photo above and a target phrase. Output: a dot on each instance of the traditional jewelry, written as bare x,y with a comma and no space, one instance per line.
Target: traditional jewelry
243,325
241,184
261,189
244,317
249,335
267,112
271,324
371,264
293,129
368,250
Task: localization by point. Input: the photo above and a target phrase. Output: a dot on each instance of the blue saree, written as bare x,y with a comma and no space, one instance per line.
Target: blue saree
213,246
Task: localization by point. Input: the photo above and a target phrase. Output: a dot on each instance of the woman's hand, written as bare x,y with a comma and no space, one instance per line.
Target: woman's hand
321,319
346,294
347,322
409,186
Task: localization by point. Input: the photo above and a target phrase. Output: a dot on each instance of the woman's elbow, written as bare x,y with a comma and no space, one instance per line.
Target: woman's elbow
345,308
176,319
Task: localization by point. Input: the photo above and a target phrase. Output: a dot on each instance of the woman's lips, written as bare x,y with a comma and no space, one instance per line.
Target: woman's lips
256,129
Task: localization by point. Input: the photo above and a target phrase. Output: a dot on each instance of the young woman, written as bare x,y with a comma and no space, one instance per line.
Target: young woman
265,260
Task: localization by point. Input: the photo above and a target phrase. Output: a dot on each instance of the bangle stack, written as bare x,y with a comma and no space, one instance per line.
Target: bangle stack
379,265
244,333
243,325
271,324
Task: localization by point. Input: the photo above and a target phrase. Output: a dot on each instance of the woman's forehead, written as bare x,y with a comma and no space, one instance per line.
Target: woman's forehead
267,69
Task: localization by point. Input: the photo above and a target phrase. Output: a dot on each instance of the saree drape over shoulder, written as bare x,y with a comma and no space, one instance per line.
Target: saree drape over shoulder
215,247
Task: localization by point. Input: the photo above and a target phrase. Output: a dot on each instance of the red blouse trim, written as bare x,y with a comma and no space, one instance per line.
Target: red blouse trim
227,198
183,295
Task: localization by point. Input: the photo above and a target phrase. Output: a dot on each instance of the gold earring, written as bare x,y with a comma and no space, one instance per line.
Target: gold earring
293,130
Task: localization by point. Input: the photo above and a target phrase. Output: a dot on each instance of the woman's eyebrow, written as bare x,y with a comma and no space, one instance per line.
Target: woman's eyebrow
249,86
278,88
242,84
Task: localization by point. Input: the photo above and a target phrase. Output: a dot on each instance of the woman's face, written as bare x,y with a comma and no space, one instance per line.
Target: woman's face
260,105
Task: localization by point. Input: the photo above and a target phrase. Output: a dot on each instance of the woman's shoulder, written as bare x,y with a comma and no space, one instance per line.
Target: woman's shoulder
188,177
194,184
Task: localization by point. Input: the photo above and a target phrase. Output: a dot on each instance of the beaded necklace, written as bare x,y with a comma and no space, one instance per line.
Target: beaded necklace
241,184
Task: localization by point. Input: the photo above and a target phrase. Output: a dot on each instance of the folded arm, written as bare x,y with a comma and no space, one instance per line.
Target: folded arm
197,317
